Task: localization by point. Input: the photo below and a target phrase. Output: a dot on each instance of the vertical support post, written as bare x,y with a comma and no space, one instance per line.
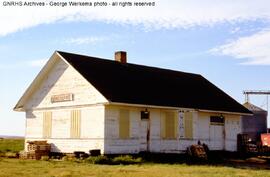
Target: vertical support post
267,103
246,97
267,118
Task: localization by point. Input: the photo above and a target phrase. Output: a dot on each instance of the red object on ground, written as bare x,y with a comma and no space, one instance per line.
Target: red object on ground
265,138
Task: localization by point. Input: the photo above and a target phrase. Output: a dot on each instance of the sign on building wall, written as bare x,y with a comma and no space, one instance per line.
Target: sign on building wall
62,97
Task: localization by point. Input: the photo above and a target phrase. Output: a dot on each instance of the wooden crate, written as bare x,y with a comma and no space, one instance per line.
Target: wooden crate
39,147
24,155
37,142
38,154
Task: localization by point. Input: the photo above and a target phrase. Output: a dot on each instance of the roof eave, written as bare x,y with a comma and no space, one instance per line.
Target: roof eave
20,104
18,108
225,112
171,107
147,106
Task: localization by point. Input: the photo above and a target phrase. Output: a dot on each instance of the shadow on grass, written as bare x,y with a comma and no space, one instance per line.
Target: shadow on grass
215,158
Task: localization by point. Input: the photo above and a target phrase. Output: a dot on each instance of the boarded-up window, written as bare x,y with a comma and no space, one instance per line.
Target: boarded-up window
188,125
124,124
47,124
169,125
75,127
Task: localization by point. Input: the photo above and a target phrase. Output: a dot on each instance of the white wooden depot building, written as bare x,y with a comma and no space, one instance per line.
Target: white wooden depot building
79,103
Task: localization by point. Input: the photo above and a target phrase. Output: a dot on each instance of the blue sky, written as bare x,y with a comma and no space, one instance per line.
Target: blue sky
226,42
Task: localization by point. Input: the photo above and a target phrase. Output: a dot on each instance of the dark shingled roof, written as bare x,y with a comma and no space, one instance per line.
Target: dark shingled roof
137,84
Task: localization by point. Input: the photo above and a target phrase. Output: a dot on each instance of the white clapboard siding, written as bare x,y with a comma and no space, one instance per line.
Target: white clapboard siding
199,124
100,129
92,122
61,123
232,128
64,79
34,124
71,145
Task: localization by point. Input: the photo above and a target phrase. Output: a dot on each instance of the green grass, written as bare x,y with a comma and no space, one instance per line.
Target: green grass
11,145
32,168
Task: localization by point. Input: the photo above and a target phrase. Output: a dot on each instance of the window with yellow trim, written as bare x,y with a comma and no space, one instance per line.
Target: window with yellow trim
169,125
47,124
124,124
75,124
188,124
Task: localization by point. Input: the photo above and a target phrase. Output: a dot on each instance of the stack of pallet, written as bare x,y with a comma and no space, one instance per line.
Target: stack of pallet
24,155
35,150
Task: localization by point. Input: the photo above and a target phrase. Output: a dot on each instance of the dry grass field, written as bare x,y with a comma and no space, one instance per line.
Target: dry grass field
32,168
11,145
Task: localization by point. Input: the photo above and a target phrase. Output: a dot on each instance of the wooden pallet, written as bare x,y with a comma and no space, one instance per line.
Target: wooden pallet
39,147
38,154
35,150
24,155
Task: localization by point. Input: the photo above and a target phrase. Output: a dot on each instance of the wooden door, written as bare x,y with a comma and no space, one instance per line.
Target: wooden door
217,137
144,135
